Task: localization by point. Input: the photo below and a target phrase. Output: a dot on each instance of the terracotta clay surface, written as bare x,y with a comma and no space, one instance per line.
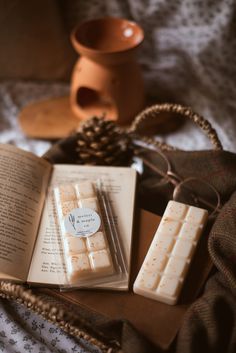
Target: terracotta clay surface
48,119
107,79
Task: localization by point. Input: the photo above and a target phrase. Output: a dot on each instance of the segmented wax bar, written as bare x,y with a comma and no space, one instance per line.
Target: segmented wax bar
84,256
165,266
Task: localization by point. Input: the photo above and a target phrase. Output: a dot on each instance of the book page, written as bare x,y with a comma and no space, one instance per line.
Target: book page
23,183
47,264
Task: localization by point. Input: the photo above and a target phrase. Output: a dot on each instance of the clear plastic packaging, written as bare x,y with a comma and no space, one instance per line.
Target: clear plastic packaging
91,247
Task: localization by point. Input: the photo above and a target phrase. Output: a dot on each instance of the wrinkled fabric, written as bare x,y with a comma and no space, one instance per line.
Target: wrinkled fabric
210,324
23,331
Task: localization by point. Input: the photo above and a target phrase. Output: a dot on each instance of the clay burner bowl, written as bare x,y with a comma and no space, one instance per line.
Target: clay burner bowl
106,79
107,35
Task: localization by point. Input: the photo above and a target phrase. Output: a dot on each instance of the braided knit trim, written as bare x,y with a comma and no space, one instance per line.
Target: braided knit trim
152,112
51,313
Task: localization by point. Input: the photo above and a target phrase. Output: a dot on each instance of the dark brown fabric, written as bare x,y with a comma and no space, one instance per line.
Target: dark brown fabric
34,42
210,323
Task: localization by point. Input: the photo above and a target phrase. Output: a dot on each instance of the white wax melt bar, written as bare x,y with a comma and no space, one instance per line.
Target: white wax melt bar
165,266
84,256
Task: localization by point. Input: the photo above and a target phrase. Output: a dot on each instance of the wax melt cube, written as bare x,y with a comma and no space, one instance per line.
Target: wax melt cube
154,261
176,267
85,190
163,243
169,286
100,259
68,206
169,227
77,266
67,193
196,215
149,280
89,203
74,245
96,242
183,248
190,232
175,210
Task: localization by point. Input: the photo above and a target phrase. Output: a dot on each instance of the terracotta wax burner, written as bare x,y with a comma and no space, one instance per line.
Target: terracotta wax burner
107,79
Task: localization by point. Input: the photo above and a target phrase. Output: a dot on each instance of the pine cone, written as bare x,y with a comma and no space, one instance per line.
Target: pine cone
102,142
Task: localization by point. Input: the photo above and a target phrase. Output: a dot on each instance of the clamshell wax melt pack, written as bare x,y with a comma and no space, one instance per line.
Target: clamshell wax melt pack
90,243
165,266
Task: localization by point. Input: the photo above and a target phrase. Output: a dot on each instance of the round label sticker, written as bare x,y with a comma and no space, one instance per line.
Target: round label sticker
82,222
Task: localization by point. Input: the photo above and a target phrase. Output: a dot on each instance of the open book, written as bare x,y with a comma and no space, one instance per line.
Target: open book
30,249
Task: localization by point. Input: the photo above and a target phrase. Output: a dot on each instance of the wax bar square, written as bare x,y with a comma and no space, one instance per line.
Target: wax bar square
183,248
74,245
78,264
169,227
190,232
148,279
196,215
169,286
67,207
96,242
89,203
67,193
164,243
85,190
100,260
155,261
176,266
175,210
